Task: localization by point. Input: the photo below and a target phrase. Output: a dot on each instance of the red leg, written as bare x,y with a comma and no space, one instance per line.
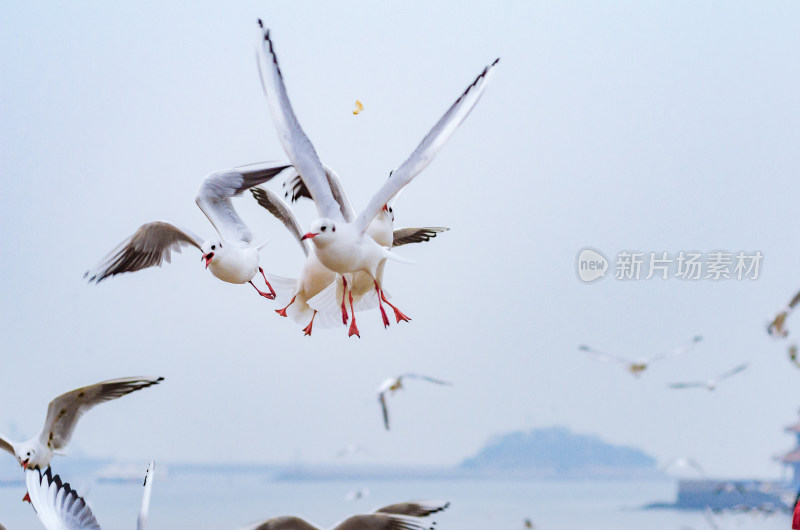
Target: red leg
344,294
282,312
397,313
271,290
380,305
262,293
307,329
353,327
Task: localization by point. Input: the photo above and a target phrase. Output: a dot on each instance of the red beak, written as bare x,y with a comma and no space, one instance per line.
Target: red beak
25,465
385,207
26,498
208,257
309,235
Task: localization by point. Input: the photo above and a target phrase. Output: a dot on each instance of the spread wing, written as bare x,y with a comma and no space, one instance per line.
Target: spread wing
295,143
425,378
297,189
57,505
384,409
603,356
692,384
151,245
282,523
732,371
415,508
378,521
277,207
64,411
428,147
683,348
5,445
214,197
144,511
404,236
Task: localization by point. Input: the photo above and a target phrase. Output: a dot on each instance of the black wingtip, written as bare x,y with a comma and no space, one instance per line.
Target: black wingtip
496,61
159,379
260,24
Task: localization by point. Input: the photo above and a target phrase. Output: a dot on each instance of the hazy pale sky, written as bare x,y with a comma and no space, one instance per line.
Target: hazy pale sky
621,126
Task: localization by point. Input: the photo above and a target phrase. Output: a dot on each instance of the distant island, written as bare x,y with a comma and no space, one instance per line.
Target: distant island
557,452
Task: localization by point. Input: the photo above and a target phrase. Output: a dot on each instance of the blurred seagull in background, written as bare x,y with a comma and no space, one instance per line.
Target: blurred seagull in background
232,258
793,355
343,245
393,384
63,414
637,366
401,516
684,462
359,107
59,507
711,384
777,327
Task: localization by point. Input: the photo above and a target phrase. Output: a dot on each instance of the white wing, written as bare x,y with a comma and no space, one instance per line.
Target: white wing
603,356
144,511
425,378
428,147
277,207
57,505
692,384
298,189
64,411
404,236
683,348
732,371
152,244
214,197
415,508
294,140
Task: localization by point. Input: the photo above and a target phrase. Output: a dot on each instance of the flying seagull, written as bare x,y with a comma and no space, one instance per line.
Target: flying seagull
777,326
393,384
232,257
637,366
62,416
341,245
401,516
59,507
711,384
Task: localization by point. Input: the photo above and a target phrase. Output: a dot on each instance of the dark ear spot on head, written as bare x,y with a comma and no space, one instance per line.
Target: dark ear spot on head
333,229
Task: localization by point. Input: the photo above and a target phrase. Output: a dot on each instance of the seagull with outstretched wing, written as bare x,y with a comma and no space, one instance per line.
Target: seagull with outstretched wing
711,384
232,257
393,384
343,245
637,366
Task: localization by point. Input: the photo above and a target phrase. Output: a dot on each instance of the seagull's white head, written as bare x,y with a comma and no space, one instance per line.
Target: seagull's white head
212,250
389,211
322,231
27,456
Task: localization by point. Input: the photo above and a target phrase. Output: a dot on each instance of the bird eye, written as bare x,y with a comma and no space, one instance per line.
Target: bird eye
390,209
322,228
213,247
28,453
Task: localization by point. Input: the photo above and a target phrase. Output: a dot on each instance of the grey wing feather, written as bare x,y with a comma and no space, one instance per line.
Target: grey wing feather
603,356
384,409
404,236
298,190
415,508
151,245
683,348
427,148
64,411
57,505
732,371
378,521
426,378
283,523
277,207
214,197
295,143
5,445
687,385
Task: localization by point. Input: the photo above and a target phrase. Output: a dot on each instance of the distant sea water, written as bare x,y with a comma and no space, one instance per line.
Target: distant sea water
213,501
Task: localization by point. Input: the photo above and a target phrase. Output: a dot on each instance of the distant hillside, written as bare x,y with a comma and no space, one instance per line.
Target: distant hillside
558,452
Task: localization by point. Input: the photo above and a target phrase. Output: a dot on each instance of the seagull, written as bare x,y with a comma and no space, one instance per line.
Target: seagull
394,384
59,507
315,277
776,327
341,245
793,355
354,495
684,462
637,366
401,516
711,384
232,258
62,416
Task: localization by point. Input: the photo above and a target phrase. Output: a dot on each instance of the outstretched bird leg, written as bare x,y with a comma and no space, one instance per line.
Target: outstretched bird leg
262,293
282,312
344,294
380,305
399,315
271,290
307,329
353,328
